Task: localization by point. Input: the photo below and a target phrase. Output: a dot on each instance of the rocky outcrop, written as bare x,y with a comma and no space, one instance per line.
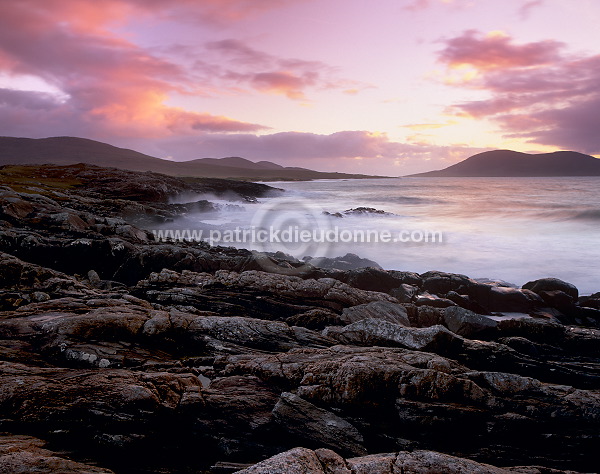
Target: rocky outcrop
25,454
321,461
349,261
469,324
132,355
316,426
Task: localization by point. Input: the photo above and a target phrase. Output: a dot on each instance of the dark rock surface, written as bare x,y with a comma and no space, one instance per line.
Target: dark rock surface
121,353
349,261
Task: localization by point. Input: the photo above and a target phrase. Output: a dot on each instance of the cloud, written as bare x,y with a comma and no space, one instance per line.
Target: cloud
536,90
418,5
429,126
208,11
235,62
527,7
497,51
107,85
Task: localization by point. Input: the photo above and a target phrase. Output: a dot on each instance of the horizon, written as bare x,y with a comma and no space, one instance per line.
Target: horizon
408,87
297,167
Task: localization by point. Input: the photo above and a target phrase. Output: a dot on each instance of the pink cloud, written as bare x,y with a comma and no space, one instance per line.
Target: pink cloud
497,51
540,93
242,65
527,7
108,85
417,5
284,83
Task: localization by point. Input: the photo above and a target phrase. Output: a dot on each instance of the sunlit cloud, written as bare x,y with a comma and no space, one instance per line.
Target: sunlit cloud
235,62
430,126
496,50
90,81
537,92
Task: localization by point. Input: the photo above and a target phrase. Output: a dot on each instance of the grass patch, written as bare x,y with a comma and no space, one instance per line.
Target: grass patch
46,179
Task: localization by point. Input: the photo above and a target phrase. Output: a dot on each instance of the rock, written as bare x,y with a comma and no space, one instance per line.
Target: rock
373,279
424,316
20,454
316,319
468,324
362,211
592,301
533,329
316,426
294,461
434,385
376,332
513,300
122,350
337,376
465,301
255,333
557,299
440,283
332,462
552,284
373,463
408,462
384,310
327,289
236,417
430,462
404,293
425,299
349,261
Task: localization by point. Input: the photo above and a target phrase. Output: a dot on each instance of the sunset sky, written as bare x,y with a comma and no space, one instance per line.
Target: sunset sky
381,86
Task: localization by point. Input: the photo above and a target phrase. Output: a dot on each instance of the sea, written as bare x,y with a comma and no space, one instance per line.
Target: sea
509,229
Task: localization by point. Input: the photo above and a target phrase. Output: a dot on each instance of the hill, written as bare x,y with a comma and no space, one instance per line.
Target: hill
508,163
72,150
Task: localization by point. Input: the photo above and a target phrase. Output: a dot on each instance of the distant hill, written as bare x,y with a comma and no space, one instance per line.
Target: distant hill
72,150
500,163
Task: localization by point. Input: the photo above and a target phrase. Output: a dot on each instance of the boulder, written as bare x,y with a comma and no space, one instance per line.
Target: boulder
425,299
430,462
376,332
294,461
552,284
21,454
404,293
513,300
316,426
384,310
440,283
468,324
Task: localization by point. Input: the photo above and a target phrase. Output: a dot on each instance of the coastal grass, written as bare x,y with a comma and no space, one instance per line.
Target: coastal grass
42,180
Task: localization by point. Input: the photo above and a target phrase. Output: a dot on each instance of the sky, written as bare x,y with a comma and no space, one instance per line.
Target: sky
379,87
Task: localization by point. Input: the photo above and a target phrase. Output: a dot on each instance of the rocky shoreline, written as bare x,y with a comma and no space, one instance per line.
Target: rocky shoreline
122,354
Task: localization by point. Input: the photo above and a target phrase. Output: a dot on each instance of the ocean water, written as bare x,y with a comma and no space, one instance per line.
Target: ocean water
511,229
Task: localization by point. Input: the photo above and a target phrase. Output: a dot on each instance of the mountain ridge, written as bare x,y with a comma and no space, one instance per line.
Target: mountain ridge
509,163
73,150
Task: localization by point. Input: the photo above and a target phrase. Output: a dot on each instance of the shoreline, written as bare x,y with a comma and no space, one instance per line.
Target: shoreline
138,356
